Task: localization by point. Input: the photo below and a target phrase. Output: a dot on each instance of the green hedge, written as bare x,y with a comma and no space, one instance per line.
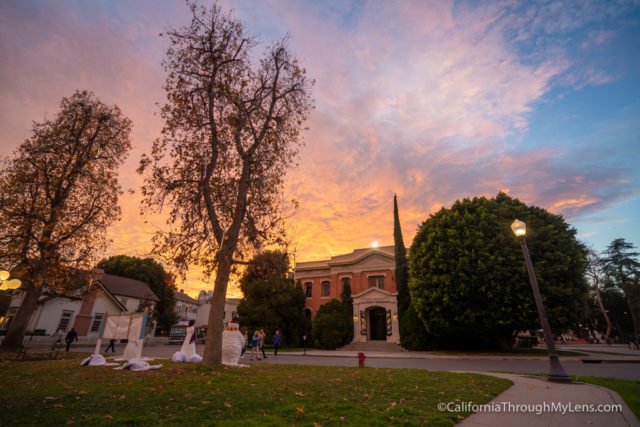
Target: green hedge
332,326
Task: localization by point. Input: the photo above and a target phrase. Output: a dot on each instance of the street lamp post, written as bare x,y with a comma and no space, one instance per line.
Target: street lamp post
556,371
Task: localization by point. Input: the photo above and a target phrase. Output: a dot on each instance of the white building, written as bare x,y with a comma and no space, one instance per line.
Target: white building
186,307
85,309
230,310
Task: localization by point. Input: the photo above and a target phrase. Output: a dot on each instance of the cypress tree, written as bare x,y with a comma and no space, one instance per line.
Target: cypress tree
348,303
402,274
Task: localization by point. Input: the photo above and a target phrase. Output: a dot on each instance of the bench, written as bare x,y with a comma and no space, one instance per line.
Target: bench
37,352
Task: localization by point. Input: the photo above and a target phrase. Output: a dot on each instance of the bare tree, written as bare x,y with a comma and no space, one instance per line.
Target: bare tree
595,274
58,195
232,129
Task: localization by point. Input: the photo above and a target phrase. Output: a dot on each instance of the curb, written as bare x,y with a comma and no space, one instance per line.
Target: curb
610,360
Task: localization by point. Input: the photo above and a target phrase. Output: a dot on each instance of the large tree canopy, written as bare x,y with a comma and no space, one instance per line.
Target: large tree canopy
232,129
153,274
58,195
469,282
271,301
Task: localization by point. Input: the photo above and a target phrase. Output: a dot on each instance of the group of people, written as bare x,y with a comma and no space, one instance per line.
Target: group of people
257,343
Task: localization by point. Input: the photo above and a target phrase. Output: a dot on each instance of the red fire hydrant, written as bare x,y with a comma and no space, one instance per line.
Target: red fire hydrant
361,358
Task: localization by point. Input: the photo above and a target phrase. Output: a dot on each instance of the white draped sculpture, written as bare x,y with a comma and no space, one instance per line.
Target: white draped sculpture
124,326
187,353
232,344
138,365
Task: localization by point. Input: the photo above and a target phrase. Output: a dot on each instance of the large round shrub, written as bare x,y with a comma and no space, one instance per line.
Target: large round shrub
468,279
332,326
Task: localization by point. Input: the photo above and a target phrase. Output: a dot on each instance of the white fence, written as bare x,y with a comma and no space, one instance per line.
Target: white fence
88,341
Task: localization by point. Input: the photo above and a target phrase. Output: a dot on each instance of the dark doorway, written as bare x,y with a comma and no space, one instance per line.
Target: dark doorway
378,324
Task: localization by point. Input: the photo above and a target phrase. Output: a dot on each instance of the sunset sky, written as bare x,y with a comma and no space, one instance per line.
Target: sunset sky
432,100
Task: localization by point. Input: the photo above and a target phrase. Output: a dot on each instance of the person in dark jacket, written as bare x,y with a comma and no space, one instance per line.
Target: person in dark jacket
277,341
72,336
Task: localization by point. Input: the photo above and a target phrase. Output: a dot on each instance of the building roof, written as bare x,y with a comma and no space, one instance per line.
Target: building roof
181,296
352,258
123,286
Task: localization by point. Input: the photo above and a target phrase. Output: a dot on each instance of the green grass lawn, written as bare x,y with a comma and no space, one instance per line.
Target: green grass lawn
61,392
628,390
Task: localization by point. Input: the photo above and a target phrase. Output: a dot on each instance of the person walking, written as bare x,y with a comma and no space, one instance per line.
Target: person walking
255,344
112,346
262,339
277,341
72,336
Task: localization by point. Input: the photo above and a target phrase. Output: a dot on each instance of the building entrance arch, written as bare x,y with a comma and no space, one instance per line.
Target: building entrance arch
375,316
377,324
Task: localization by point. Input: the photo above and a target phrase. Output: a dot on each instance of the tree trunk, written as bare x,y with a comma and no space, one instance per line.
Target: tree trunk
213,343
604,313
633,320
18,327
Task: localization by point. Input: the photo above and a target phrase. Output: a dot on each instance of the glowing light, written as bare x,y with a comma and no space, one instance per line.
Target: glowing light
374,244
4,275
519,228
11,284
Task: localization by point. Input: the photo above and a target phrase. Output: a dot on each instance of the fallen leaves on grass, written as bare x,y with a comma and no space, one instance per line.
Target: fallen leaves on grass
300,410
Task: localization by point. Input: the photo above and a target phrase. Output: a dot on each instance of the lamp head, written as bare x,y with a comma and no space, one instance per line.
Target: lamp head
519,228
11,284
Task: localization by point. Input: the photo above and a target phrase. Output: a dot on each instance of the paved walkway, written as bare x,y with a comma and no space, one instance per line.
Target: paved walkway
530,395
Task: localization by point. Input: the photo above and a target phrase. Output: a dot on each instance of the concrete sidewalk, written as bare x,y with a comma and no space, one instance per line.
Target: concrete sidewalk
618,349
602,357
538,395
423,355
